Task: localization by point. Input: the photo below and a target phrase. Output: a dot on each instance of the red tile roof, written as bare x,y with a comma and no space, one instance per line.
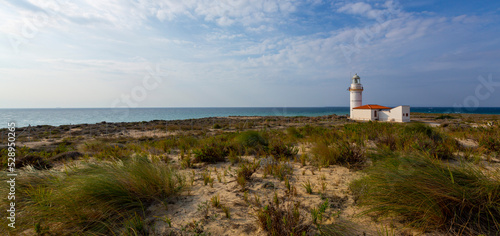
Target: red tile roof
371,106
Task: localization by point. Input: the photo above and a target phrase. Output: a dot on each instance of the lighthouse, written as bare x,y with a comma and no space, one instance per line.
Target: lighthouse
356,91
372,112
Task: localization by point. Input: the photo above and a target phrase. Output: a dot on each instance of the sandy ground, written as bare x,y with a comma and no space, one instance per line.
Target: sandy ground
189,208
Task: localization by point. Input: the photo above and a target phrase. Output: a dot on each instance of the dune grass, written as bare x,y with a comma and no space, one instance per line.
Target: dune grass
109,198
430,195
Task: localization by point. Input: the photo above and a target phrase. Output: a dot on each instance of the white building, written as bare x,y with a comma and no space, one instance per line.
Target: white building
373,112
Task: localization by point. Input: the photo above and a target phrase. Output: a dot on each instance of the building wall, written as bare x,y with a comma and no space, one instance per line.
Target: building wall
405,110
362,114
384,115
397,114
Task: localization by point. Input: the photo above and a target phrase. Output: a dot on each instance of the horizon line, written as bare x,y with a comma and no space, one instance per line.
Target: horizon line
4,108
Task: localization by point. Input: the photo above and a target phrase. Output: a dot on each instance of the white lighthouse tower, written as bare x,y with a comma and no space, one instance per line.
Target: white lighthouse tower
356,91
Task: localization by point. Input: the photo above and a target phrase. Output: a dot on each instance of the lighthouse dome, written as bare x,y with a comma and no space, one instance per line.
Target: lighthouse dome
356,79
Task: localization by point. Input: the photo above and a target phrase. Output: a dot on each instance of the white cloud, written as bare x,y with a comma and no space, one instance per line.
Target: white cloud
224,13
358,8
211,47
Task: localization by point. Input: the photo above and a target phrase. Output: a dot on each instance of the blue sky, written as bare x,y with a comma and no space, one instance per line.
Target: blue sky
239,53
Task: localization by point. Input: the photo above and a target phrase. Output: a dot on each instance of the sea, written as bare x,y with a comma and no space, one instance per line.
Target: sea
68,116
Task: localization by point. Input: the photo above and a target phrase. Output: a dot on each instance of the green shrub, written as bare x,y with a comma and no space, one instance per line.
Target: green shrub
212,150
309,130
420,128
185,143
294,132
431,195
441,117
251,141
440,150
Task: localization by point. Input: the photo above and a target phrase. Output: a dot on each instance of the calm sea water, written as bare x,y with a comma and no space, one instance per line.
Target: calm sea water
65,116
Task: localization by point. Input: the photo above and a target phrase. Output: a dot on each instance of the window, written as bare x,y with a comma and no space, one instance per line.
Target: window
375,113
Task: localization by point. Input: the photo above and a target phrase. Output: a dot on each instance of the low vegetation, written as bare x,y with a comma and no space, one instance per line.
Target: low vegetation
290,174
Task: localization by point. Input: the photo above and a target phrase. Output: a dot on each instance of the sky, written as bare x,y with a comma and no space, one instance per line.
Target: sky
248,53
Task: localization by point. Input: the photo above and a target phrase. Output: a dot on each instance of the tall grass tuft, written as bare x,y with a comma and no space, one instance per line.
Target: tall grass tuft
102,199
431,195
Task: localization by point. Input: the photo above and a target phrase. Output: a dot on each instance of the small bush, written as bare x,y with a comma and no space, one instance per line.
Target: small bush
489,143
278,149
278,169
233,157
251,138
430,195
442,117
339,153
317,213
388,141
212,151
245,173
419,128
251,142
294,133
282,220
